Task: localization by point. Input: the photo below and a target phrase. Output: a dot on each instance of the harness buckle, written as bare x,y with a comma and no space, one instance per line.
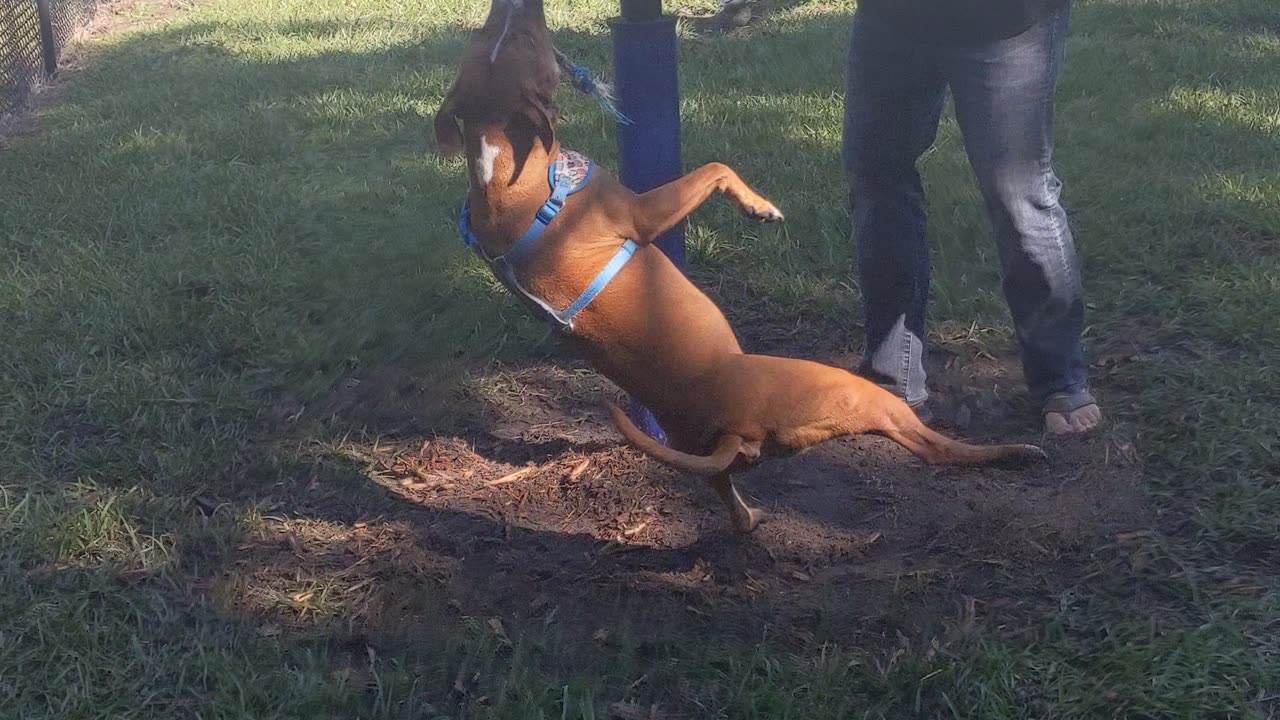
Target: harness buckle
503,266
550,209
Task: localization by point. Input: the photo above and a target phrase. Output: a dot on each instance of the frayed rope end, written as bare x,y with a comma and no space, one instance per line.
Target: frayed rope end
581,78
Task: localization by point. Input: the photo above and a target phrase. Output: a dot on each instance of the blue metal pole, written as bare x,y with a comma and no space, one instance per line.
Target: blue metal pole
648,93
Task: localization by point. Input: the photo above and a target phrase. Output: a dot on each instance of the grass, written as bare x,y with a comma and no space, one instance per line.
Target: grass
227,241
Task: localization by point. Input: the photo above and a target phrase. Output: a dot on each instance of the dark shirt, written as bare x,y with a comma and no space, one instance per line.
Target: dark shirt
961,22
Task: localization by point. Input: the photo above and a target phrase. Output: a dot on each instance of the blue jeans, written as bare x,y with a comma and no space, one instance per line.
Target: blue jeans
1003,95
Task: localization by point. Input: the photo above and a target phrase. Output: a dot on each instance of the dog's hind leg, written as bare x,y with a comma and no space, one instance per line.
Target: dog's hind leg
834,402
883,413
658,210
745,518
713,467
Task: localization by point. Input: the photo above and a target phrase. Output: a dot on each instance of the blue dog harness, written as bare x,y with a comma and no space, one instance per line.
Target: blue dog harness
566,176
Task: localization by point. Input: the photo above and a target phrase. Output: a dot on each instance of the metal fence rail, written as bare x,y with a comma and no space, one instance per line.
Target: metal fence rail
32,36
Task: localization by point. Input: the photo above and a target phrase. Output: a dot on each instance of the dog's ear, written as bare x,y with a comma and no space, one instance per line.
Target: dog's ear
448,131
541,113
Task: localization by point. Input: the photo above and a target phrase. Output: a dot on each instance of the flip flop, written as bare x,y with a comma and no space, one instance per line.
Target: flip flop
1065,405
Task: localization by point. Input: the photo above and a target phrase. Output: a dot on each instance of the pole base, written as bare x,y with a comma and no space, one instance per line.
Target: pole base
644,420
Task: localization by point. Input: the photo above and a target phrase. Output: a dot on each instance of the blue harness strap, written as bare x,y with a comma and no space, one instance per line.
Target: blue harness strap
567,175
606,274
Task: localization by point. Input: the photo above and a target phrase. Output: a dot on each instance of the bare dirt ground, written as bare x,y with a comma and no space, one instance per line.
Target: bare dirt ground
534,505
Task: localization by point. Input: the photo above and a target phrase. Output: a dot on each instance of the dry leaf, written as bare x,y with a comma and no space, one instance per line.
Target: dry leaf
499,630
511,477
579,469
460,682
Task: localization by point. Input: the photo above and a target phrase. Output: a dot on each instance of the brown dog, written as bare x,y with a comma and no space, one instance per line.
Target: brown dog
650,330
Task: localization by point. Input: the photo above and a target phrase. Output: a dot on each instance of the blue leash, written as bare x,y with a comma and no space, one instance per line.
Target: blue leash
581,78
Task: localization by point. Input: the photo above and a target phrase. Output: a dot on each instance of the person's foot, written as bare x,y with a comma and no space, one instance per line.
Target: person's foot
731,15
944,413
1070,413
924,411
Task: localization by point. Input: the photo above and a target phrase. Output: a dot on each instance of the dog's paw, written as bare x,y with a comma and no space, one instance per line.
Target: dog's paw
1027,454
767,214
747,523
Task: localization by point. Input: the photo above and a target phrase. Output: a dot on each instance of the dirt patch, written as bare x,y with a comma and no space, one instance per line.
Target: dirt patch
536,504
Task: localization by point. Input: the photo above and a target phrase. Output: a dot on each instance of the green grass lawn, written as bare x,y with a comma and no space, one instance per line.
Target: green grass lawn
231,212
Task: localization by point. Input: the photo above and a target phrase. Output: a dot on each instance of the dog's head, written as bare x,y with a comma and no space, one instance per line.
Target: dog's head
507,77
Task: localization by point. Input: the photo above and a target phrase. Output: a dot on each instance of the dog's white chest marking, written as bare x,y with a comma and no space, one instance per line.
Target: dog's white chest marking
483,167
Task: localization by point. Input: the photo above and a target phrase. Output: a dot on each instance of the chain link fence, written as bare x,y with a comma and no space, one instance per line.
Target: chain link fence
32,36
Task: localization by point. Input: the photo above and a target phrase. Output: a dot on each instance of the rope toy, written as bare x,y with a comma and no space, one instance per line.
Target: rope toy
580,77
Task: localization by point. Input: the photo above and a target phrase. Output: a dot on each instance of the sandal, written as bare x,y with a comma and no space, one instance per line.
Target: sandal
1070,414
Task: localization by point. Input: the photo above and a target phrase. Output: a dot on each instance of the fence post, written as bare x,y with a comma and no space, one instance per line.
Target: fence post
47,41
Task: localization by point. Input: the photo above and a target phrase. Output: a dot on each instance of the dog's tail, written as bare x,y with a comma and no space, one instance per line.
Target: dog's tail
718,461
937,449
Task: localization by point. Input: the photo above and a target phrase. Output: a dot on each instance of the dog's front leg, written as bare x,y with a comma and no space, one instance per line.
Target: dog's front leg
658,210
745,518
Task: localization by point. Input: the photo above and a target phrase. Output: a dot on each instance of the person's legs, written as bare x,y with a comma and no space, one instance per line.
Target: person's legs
894,99
1004,95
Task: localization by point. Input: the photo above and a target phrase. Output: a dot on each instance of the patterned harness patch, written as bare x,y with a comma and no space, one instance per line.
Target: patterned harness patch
571,166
